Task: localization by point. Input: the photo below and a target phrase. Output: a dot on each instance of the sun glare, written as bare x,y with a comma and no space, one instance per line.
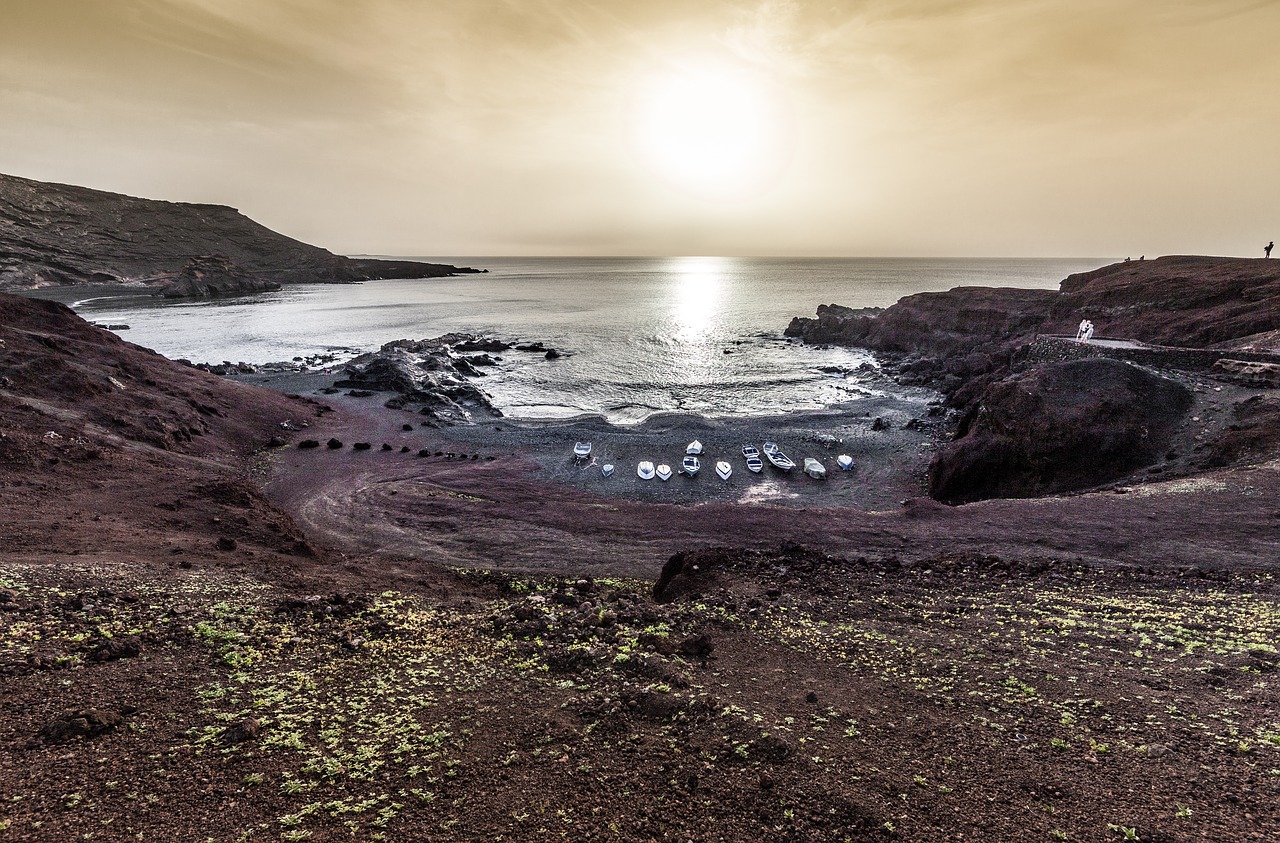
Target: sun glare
714,130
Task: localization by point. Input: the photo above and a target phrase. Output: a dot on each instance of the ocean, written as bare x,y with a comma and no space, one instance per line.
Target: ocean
640,335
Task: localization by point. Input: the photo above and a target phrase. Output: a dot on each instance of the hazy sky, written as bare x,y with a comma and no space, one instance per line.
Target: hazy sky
470,127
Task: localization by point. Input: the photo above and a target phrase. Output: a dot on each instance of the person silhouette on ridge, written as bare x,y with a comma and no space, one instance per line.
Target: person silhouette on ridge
1266,250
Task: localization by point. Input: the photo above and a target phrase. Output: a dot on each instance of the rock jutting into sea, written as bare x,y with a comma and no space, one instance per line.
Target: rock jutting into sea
212,277
1036,415
431,373
57,235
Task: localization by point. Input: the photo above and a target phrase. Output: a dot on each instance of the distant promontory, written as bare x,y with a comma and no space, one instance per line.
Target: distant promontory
60,235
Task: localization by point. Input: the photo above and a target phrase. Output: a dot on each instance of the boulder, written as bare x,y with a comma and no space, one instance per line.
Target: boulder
81,723
422,372
1057,428
126,647
1248,373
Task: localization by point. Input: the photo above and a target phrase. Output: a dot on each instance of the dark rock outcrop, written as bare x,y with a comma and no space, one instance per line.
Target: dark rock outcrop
213,277
426,373
1057,428
1254,432
56,234
80,723
1191,302
1179,300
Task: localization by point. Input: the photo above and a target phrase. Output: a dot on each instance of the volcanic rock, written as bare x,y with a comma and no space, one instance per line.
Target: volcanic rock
81,723
54,234
423,372
1057,428
212,277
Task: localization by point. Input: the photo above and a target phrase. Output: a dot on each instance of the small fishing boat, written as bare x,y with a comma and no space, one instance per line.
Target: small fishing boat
663,471
780,460
607,469
581,450
814,469
690,465
645,470
695,448
724,470
845,462
754,463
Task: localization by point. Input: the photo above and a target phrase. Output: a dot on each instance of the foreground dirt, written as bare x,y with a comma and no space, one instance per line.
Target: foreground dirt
780,696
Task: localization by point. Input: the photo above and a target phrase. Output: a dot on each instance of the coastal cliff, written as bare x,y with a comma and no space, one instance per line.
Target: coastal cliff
55,234
1038,416
1193,302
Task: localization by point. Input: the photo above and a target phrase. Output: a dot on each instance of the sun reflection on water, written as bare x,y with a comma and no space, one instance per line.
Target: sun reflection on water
698,291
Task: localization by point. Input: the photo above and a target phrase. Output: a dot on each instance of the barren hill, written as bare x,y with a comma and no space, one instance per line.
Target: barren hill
54,234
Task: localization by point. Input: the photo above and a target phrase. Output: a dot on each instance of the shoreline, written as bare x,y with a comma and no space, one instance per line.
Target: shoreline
890,455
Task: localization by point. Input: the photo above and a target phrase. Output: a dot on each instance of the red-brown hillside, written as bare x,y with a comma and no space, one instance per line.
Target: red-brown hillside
92,427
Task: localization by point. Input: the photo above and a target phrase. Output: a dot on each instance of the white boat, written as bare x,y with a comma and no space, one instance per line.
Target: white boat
779,459
607,469
581,450
645,470
663,471
724,470
814,469
845,462
750,451
754,463
690,465
695,448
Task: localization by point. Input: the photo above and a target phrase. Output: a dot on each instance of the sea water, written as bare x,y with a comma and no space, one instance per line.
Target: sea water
639,335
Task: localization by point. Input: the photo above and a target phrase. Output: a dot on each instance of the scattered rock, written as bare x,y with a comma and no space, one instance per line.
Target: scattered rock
334,444
308,443
126,647
81,723
246,730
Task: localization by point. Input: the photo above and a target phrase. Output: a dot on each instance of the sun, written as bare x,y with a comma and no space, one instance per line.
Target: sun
716,130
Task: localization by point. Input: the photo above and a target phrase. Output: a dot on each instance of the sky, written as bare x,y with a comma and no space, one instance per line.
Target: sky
946,128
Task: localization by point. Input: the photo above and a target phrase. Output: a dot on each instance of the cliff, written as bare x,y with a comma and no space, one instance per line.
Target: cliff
1046,417
1193,302
55,234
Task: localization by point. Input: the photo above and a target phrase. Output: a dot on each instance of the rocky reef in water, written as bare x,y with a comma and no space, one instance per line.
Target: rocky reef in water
434,374
1036,416
54,235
